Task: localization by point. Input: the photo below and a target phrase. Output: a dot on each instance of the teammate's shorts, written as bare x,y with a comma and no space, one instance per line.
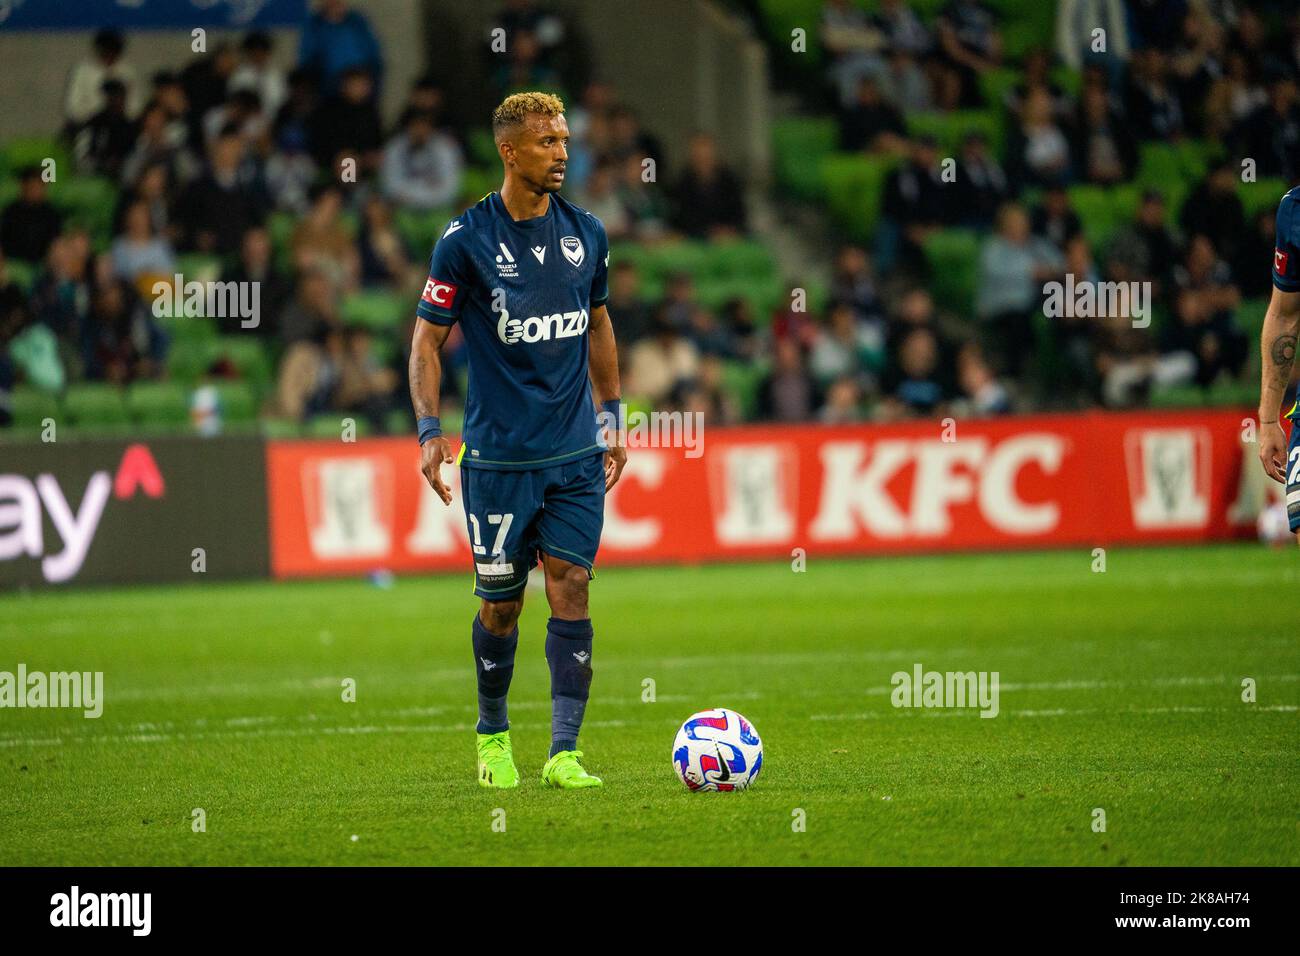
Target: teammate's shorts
1291,468
513,516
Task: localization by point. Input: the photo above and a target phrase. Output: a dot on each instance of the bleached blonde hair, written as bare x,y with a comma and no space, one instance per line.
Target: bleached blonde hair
509,116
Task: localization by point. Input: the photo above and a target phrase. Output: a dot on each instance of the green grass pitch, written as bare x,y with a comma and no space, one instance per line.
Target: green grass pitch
1120,690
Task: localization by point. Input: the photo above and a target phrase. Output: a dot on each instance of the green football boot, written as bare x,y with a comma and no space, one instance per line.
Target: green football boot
564,771
496,761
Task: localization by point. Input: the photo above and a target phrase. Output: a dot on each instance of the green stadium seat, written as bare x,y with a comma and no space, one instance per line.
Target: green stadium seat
1265,194
420,229
1249,317
477,183
250,356
375,309
742,380
483,148
399,422
188,359
740,258
854,185
1104,209
199,267
949,129
279,428
1178,396
238,402
798,146
96,404
159,404
88,201
280,226
30,407
953,255
330,425
27,151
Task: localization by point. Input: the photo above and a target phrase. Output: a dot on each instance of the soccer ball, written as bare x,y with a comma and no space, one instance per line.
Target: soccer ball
717,750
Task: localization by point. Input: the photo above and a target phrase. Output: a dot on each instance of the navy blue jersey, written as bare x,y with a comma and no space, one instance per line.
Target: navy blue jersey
523,294
1286,255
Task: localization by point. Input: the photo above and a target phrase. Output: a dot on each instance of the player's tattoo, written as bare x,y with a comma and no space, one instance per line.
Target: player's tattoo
1282,352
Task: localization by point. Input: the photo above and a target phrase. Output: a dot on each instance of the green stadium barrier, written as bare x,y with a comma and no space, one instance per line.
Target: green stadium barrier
30,407
96,404
159,404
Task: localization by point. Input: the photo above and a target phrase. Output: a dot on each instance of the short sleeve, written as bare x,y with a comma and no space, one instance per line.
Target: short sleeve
448,282
600,279
1286,254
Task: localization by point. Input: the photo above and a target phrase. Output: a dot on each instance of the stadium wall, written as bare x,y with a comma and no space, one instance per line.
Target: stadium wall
76,511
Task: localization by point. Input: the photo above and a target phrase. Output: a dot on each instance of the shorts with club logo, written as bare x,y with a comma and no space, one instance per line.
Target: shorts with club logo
513,516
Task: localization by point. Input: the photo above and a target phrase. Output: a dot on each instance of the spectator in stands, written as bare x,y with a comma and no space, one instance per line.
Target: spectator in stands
1036,73
1195,62
1271,134
915,204
738,315
257,264
321,241
709,336
1038,151
627,139
258,73
1146,249
85,96
1105,150
843,405
982,394
153,188
708,394
1257,246
844,347
243,111
1072,335
984,184
1207,276
903,29
204,82
1013,266
1233,96
660,363
313,311
914,309
290,173
633,311
348,125
788,393
122,342
522,67
871,123
855,45
104,142
292,128
601,198
29,224
1054,219
422,166
1151,103
913,383
156,142
1076,39
1203,338
644,203
904,84
1214,209
709,201
141,256
853,284
383,259
1155,24
337,39
969,44
61,296
365,387
217,209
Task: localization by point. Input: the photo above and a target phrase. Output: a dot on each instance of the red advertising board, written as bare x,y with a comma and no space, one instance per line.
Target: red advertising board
1091,479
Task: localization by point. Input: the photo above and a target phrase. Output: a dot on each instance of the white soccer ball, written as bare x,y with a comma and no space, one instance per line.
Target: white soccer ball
717,750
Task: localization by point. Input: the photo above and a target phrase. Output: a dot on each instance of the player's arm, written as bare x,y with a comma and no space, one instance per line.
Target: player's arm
603,368
1277,350
425,371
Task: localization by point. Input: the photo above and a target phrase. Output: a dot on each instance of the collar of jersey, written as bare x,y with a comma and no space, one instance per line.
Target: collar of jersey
535,223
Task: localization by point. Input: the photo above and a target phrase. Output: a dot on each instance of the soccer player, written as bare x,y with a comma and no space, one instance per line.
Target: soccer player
1277,345
525,273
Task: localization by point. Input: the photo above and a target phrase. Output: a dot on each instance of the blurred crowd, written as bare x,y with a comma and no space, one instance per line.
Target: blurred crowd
205,159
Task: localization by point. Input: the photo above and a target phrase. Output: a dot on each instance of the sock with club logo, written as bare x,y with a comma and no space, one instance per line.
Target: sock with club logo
494,662
568,651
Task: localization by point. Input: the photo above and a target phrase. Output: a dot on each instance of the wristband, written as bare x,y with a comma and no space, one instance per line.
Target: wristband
428,427
610,407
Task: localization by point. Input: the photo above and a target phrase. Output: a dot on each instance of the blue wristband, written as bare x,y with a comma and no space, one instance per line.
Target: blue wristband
610,407
428,427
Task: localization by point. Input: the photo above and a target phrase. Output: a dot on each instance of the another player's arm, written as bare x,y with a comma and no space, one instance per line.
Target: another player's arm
426,381
1277,350
603,368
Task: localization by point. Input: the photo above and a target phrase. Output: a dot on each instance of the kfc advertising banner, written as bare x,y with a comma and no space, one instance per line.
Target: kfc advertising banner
1093,479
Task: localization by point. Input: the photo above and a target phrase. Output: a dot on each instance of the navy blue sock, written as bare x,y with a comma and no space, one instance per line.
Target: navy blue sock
568,651
494,662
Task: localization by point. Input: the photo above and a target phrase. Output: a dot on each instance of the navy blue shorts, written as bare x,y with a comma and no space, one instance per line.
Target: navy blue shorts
513,516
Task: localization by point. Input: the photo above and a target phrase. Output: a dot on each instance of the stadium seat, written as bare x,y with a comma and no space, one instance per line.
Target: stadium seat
163,405
96,404
280,226
483,148
476,184
996,84
87,201
188,359
854,184
742,380
420,229
1261,195
375,309
1249,317
739,259
953,255
30,407
950,128
798,145
28,151
330,425
238,402
199,267
249,355
22,273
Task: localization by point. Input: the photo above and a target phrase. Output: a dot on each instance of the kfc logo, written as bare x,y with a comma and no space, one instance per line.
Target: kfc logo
1280,260
441,294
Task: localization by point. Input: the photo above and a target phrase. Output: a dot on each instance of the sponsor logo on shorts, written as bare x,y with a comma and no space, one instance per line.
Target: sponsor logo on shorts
493,569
